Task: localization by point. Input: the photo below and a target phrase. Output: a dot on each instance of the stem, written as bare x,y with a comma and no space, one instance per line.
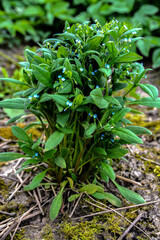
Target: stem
129,91
106,88
80,155
60,175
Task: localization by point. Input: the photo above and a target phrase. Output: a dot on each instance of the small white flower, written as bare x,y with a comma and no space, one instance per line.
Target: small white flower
125,27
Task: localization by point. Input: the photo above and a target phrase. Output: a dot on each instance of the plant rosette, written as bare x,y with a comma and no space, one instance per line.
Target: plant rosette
74,81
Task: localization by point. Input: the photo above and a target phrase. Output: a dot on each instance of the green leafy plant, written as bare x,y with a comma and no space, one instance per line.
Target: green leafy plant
74,82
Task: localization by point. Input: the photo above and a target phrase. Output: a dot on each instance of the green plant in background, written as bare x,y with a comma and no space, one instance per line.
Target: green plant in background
37,20
73,89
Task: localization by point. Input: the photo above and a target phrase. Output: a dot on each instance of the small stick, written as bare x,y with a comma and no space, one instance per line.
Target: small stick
9,214
16,190
75,205
120,215
129,180
10,178
4,221
148,160
39,195
132,224
38,202
118,209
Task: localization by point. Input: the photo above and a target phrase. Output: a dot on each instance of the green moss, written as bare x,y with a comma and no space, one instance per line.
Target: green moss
81,231
20,235
47,232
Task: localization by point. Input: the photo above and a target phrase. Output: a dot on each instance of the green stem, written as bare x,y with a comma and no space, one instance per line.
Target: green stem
80,155
60,175
129,91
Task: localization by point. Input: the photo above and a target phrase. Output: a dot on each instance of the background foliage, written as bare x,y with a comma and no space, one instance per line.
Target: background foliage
34,21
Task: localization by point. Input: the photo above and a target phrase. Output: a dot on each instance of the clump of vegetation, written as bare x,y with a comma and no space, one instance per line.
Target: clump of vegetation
72,88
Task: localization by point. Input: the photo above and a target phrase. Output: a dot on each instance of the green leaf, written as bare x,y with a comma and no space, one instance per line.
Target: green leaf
129,57
15,118
91,128
19,133
130,31
56,205
60,99
62,52
66,130
98,99
116,152
139,130
129,195
15,103
62,118
54,140
93,42
119,115
108,196
89,188
108,171
151,90
13,81
42,75
66,87
60,162
73,197
156,58
27,149
35,181
9,156
30,161
146,102
127,135
49,154
100,151
107,72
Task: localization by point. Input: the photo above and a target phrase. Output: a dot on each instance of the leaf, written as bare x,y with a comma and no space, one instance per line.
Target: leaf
156,58
119,115
60,99
127,135
151,90
107,72
93,42
91,128
66,130
71,183
30,161
62,118
9,156
15,118
130,31
108,196
60,162
139,130
146,102
73,197
98,99
108,171
54,140
90,188
15,103
49,154
129,195
13,81
129,57
42,75
27,149
56,205
62,52
19,133
116,152
100,150
35,181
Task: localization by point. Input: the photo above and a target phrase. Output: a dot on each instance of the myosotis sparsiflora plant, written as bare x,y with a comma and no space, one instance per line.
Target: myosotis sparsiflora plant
74,82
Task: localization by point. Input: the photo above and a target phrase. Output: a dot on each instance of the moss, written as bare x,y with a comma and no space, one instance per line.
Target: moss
47,233
4,189
20,235
81,231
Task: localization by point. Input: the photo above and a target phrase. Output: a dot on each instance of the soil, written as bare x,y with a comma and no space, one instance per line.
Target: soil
142,165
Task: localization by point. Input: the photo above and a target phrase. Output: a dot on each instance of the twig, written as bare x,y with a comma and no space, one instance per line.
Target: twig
9,214
118,209
129,180
114,210
38,202
10,178
8,231
132,224
18,187
39,195
148,160
75,205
